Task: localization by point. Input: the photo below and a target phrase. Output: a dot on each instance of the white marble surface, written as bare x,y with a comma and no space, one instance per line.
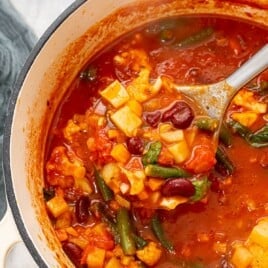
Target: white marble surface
39,14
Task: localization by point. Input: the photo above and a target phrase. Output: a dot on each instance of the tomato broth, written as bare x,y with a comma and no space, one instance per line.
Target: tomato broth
131,174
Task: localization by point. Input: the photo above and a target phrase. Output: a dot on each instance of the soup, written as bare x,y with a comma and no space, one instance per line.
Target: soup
132,174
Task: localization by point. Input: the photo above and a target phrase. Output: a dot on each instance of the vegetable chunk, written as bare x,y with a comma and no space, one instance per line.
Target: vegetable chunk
116,94
126,120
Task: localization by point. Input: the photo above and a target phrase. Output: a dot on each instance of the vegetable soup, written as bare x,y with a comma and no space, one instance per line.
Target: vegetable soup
133,177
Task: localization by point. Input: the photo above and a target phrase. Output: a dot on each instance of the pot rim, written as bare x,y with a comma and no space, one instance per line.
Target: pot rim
8,127
11,196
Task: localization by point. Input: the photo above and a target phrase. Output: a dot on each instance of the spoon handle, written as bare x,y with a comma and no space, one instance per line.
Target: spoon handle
255,65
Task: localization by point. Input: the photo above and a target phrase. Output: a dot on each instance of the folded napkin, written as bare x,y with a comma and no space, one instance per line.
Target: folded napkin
16,42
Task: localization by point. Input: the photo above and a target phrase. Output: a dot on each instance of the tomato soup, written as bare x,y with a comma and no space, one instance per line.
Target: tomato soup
132,174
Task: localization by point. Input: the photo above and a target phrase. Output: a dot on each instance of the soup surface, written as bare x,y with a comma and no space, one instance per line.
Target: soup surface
132,178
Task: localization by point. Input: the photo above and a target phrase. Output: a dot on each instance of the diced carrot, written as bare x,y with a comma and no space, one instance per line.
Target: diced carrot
120,153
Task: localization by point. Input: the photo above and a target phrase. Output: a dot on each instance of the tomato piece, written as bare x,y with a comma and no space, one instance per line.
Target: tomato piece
202,160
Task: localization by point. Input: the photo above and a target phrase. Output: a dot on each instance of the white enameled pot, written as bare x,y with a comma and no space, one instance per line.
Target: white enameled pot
83,29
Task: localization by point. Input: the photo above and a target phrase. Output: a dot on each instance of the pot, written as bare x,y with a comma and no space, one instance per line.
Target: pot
77,34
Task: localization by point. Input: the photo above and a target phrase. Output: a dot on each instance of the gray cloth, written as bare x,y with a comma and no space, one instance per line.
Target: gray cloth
16,42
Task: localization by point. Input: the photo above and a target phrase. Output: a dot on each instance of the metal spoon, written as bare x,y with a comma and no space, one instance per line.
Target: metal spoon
215,98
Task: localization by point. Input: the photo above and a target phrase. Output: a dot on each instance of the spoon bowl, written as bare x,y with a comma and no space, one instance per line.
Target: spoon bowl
214,99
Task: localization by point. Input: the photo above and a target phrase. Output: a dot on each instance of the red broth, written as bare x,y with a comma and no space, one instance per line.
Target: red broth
202,229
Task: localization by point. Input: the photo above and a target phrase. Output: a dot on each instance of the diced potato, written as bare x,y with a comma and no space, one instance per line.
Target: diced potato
116,94
242,257
259,234
110,171
260,256
64,220
95,258
164,127
120,153
155,184
172,136
246,99
136,179
247,119
113,263
150,254
170,203
135,107
126,120
111,175
180,151
83,184
57,206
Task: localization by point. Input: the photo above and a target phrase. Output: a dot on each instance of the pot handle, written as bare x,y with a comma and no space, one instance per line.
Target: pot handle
11,245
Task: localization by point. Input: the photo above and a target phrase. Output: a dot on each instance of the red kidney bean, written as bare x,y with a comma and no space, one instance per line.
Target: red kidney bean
153,119
73,252
135,145
180,114
178,186
82,209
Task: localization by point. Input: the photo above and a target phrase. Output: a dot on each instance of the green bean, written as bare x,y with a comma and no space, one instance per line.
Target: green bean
165,172
225,135
201,187
258,139
223,159
105,191
206,123
210,124
152,154
124,229
139,241
159,233
240,129
196,38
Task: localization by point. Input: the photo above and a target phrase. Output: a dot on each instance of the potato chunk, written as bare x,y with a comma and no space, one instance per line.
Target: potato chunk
150,254
116,94
126,120
57,206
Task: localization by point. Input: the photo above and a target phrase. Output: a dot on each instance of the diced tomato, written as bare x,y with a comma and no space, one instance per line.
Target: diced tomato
202,159
100,147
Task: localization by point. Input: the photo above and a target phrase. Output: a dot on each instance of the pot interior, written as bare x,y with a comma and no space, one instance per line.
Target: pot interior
66,47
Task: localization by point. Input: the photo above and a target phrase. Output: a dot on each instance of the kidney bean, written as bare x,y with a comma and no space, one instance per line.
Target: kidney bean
73,252
152,119
82,209
180,114
178,186
135,145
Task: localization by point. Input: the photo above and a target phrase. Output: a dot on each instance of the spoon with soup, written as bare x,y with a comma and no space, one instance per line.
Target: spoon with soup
214,99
